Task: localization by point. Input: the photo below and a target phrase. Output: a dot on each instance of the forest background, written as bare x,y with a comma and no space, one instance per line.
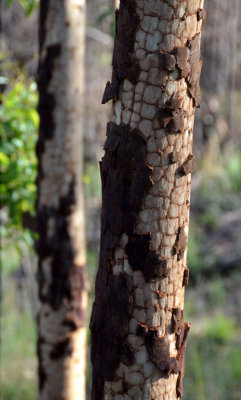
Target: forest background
213,299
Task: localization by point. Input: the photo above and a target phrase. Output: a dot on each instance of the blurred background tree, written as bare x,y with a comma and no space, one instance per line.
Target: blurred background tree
213,299
61,246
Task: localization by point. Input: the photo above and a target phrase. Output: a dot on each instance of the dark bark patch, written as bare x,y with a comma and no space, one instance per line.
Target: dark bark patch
133,72
181,243
141,258
42,376
46,101
109,326
164,116
29,221
112,141
109,92
125,66
127,22
43,13
59,247
185,277
61,349
167,61
161,269
172,119
158,349
125,180
169,366
172,116
67,280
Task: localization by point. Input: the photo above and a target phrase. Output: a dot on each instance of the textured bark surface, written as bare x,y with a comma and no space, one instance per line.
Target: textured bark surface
138,329
61,245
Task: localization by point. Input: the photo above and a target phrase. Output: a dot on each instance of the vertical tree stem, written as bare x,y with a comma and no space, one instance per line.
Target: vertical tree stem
138,329
61,246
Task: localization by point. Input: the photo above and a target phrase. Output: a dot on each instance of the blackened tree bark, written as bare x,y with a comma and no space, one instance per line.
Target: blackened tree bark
61,246
138,329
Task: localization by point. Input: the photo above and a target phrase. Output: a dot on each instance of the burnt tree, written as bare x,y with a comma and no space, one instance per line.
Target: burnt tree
137,324
60,208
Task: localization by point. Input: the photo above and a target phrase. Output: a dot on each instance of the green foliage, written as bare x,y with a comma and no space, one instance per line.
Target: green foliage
28,5
234,171
18,163
220,329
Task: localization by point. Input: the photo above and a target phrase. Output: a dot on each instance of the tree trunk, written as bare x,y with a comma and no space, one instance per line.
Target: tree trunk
138,329
60,208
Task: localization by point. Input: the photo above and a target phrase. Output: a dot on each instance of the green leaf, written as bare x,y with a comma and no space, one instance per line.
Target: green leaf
4,160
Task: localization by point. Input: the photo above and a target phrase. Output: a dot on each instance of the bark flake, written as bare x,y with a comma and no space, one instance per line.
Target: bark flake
181,243
185,277
188,165
201,14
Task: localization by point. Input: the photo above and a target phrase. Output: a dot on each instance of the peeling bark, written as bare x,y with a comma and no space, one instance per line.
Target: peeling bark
60,209
137,324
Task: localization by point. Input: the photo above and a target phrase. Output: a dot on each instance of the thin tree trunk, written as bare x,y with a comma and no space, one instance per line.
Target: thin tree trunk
61,246
233,68
138,329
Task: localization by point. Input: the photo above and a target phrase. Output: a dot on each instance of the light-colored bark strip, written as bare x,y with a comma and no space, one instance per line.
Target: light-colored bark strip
164,27
62,334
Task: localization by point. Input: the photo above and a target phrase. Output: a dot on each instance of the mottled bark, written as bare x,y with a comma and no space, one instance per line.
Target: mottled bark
60,208
138,329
